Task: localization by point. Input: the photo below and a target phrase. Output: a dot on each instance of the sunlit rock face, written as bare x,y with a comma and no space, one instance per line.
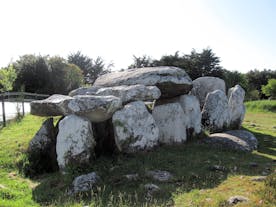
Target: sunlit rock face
204,85
216,112
134,128
75,142
171,81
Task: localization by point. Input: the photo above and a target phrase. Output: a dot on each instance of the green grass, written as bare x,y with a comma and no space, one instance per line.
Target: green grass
261,106
193,184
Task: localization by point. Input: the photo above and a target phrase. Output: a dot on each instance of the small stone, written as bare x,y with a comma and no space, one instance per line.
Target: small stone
274,127
258,179
218,168
132,177
264,173
84,183
159,175
151,188
237,199
252,125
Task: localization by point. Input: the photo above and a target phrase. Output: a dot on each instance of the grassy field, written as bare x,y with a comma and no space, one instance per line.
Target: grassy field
193,184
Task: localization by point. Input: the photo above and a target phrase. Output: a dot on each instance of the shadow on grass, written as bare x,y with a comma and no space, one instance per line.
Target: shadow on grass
190,165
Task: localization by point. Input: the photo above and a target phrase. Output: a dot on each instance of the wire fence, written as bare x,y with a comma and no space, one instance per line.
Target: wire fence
15,104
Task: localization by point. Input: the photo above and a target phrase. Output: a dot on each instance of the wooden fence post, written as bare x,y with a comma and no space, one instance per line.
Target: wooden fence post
3,110
23,109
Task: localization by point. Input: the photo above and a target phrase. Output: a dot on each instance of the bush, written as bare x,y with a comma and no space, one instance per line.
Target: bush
270,89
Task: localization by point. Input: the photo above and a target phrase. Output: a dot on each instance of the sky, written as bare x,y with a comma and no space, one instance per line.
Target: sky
241,32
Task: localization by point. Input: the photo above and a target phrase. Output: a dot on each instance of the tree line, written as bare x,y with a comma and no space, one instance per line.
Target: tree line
50,75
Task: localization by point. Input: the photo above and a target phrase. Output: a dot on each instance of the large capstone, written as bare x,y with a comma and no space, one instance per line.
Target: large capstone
171,81
75,142
84,91
215,112
134,128
204,85
42,150
95,108
50,106
131,93
237,108
191,108
172,123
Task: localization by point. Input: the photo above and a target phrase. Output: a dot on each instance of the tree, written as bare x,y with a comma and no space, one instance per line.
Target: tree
270,88
233,78
256,79
7,78
141,62
46,74
92,69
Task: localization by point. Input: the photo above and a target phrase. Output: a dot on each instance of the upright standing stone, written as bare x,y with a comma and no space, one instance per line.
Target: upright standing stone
191,108
215,112
172,123
134,128
75,142
237,108
204,85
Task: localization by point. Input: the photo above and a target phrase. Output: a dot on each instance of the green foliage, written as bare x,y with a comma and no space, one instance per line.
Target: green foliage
91,68
46,75
233,78
270,89
141,62
7,78
261,106
256,79
252,95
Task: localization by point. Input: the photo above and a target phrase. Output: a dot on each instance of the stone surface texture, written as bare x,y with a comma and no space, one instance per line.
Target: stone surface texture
85,183
191,108
159,175
237,108
134,128
172,123
246,136
42,149
131,93
171,81
215,112
75,142
95,108
227,141
85,91
50,106
204,85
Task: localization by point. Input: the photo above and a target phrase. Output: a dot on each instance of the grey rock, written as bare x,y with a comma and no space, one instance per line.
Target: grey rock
218,168
204,85
84,183
162,176
237,199
151,189
131,93
85,91
253,164
171,81
95,108
50,106
75,142
191,108
246,136
41,150
227,141
236,106
258,179
132,177
172,123
216,112
134,128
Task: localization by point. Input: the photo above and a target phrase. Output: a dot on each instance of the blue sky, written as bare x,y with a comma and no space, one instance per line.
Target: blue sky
241,32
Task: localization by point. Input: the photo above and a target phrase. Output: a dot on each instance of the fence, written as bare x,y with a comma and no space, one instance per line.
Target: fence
19,98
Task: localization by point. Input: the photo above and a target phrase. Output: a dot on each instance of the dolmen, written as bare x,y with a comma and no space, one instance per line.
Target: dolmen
136,110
